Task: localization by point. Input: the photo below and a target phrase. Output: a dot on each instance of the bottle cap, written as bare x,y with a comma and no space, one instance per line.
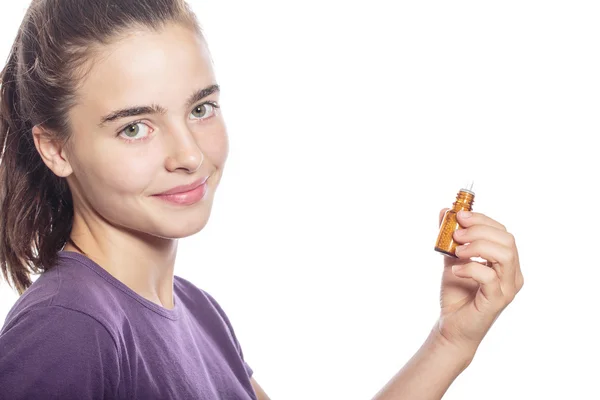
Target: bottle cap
468,187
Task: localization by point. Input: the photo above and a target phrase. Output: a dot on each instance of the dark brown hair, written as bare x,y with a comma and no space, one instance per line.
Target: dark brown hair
38,85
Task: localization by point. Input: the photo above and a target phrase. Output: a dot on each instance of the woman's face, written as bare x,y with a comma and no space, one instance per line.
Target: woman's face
119,164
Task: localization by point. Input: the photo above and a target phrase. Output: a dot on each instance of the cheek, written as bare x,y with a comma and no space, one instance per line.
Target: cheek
215,145
118,172
115,186
128,178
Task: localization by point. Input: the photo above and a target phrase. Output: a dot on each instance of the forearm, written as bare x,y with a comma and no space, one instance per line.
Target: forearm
429,373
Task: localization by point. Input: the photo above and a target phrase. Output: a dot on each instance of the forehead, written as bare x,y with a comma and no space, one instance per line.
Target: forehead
145,67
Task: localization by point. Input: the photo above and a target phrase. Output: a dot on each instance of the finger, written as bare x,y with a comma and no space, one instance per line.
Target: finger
502,258
442,213
486,277
470,218
476,232
520,281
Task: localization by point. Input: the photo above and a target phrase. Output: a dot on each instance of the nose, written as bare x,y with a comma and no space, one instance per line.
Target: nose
184,152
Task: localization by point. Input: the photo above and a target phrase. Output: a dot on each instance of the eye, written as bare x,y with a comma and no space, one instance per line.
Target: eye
205,110
131,132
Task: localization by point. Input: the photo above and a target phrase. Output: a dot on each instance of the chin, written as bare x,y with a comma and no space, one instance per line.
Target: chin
175,228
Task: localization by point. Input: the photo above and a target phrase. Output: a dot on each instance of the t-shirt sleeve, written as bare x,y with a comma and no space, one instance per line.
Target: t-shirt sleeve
56,353
231,331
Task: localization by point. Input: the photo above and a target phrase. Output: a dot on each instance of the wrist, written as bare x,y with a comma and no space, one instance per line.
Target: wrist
462,353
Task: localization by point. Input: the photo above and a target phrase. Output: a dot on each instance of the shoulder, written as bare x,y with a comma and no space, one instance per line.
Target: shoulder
65,352
202,305
62,334
190,293
205,308
54,323
71,292
196,298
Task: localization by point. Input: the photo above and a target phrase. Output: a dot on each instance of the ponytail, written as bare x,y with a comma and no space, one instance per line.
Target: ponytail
38,87
36,210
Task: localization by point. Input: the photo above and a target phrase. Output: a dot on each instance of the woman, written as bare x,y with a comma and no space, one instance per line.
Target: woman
114,147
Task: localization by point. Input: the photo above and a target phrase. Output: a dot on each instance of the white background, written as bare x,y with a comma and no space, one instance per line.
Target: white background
351,125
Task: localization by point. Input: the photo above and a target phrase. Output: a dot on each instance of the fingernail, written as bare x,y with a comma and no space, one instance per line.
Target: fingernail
464,214
457,267
459,232
460,248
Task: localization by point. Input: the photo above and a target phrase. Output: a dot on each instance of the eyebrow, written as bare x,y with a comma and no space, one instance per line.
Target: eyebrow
154,108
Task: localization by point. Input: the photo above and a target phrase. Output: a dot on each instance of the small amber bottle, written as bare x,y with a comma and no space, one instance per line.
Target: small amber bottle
445,243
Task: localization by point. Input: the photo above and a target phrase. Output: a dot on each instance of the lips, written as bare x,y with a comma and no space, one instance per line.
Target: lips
184,188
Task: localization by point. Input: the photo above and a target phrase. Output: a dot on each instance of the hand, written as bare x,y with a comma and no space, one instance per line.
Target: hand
474,294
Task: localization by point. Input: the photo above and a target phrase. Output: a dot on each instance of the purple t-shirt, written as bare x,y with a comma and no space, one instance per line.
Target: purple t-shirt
79,333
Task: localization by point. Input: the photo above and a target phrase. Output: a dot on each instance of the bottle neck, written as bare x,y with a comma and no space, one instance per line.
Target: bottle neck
464,200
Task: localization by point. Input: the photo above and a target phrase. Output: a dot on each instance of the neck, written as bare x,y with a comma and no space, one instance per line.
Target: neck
143,262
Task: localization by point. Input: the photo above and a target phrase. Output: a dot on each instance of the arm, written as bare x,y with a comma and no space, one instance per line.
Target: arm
473,295
426,376
429,372
260,393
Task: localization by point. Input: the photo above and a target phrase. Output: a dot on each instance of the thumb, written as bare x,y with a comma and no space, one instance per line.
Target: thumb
442,213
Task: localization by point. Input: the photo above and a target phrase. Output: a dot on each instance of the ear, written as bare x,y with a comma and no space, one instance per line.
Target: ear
51,151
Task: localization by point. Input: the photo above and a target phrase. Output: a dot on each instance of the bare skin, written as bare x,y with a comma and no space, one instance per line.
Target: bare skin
471,299
117,221
133,235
